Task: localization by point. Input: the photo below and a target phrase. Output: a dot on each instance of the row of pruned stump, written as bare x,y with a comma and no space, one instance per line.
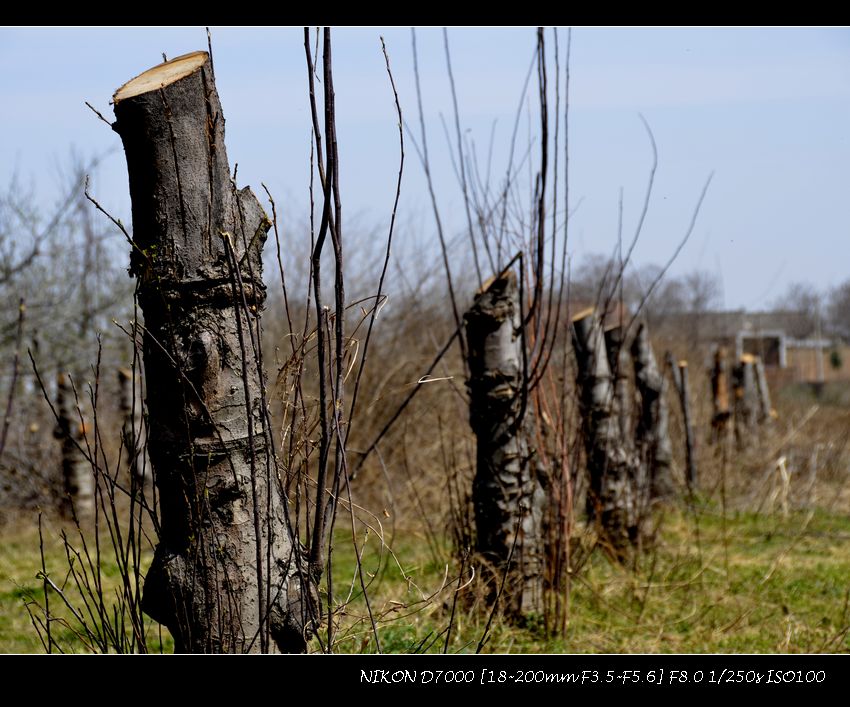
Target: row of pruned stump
740,397
72,431
640,451
624,426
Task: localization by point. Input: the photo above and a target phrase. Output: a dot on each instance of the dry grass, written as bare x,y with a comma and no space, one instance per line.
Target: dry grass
733,571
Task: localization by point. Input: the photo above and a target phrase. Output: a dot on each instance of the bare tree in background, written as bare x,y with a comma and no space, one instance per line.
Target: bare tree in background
838,310
803,298
62,263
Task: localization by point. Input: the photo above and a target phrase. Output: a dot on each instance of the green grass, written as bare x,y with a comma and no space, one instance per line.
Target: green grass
754,583
21,584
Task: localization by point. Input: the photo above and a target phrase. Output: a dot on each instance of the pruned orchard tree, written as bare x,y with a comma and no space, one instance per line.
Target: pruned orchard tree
506,493
679,373
612,503
746,399
721,410
133,430
60,288
653,437
228,574
77,479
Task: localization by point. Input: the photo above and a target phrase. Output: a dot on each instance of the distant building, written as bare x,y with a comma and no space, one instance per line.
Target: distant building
787,342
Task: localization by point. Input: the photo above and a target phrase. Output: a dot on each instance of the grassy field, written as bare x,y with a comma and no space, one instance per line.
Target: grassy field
74,614
749,582
754,583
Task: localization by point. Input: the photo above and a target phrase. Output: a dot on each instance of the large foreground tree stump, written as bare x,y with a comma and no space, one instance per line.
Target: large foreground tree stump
227,575
507,496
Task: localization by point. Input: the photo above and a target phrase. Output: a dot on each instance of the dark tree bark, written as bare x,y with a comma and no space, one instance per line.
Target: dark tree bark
506,493
227,575
618,361
680,380
611,501
652,433
77,477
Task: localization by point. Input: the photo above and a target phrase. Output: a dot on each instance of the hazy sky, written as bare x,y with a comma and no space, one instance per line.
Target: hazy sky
767,110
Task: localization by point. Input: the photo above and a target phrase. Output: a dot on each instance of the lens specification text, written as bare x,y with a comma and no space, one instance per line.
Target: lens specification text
660,676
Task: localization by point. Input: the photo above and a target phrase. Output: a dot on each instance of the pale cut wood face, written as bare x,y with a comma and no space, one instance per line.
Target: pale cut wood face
161,75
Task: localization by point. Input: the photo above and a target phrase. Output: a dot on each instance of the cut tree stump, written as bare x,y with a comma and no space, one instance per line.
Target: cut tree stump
765,411
611,500
506,493
679,371
652,433
227,575
746,399
618,361
77,475
720,396
133,431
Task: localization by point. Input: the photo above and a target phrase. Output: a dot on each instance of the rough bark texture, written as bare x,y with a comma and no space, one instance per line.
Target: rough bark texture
653,437
720,395
618,361
680,379
133,431
227,575
506,493
77,477
611,498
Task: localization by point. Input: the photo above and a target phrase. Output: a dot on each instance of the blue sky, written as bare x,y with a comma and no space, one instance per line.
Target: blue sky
766,110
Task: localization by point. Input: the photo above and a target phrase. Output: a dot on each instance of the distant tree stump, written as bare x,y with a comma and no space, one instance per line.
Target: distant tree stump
611,498
653,436
78,478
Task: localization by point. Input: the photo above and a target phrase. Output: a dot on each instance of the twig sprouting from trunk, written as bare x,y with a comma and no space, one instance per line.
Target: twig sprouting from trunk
460,152
426,166
326,178
379,294
675,254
